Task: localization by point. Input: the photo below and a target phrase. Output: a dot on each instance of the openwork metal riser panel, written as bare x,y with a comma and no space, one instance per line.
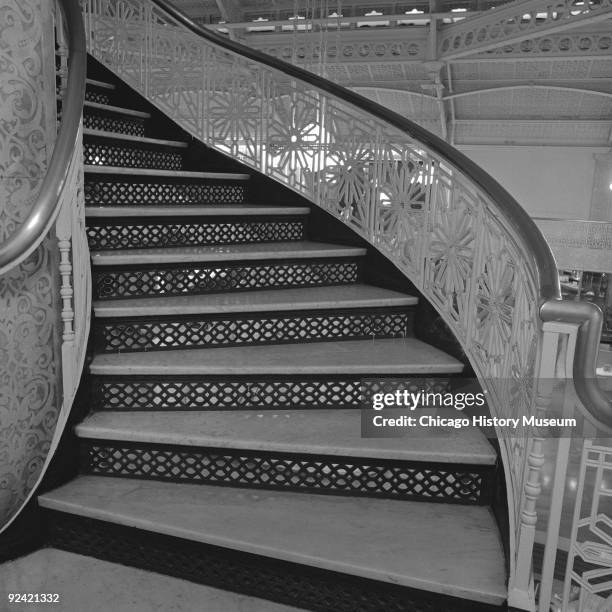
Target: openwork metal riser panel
107,153
116,192
247,392
209,331
206,278
450,483
95,95
140,234
110,122
289,583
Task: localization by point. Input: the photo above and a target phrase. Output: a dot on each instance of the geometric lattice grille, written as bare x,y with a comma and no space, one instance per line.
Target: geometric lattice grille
142,234
282,581
246,393
204,278
162,333
105,154
150,193
273,470
589,566
98,97
114,123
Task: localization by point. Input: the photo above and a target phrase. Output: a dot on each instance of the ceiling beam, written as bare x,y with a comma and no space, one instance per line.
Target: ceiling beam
604,123
451,102
330,24
515,22
486,90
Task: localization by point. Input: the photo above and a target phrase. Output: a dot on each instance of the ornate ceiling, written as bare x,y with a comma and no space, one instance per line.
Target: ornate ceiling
474,71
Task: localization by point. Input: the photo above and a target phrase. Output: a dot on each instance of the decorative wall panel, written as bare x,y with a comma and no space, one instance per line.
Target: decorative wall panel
30,389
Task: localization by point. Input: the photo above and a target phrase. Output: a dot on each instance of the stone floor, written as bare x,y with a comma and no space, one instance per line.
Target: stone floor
85,584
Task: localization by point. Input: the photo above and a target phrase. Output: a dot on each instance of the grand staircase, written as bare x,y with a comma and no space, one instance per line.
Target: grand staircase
235,331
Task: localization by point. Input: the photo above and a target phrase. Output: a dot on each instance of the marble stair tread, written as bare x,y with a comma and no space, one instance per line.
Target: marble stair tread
307,298
119,170
230,252
100,84
442,548
179,144
367,357
316,432
119,110
195,210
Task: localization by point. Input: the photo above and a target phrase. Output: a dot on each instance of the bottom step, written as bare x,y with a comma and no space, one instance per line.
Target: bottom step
440,553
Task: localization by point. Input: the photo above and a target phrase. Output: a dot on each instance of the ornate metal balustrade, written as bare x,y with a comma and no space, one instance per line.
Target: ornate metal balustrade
454,232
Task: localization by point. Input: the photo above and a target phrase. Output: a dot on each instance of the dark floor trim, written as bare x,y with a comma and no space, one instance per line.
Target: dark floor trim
281,581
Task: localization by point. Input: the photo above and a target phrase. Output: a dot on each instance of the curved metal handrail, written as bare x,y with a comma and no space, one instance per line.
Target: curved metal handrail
35,227
552,307
589,317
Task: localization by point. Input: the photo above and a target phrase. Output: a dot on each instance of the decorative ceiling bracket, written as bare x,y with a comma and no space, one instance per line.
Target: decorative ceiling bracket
516,22
436,89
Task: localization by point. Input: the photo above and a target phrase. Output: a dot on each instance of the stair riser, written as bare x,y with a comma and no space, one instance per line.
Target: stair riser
118,191
97,95
201,278
328,474
112,122
168,393
105,152
164,333
290,583
165,232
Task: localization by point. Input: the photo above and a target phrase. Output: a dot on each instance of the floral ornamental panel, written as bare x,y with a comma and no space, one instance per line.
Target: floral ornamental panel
451,252
494,306
404,199
293,137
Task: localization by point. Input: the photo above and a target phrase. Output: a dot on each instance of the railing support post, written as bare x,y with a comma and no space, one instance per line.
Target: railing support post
521,592
566,339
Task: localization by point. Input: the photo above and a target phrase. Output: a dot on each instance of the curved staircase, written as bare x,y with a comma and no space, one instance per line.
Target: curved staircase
231,347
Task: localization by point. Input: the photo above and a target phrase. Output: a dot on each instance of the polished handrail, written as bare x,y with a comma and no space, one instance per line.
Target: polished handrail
28,236
552,307
589,318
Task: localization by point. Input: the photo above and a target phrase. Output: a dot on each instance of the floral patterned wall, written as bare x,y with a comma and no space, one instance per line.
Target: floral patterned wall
30,324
